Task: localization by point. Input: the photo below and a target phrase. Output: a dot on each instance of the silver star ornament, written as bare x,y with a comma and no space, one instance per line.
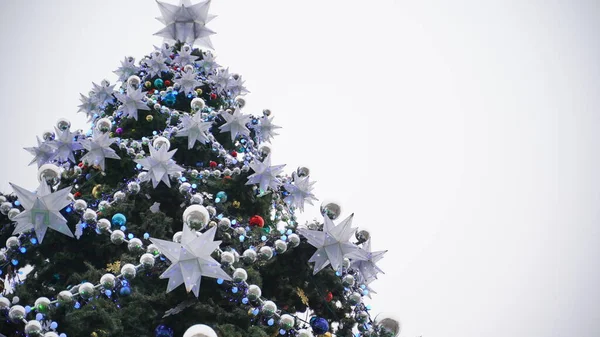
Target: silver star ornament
159,165
186,23
265,175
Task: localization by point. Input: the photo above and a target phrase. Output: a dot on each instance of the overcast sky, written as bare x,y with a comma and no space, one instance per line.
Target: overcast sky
462,134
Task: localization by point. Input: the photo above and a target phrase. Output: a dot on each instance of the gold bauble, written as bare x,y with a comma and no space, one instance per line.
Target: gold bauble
97,191
236,204
199,91
148,84
149,118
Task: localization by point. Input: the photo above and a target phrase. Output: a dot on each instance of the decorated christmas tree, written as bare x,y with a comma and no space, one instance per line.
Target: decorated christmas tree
167,218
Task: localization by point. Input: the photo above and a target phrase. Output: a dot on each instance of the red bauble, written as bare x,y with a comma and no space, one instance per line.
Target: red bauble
212,164
213,96
257,220
329,297
167,83
233,154
77,194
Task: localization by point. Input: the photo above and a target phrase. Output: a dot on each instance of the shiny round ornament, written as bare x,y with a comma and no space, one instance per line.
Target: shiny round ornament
133,187
5,207
64,297
12,242
48,136
294,240
240,231
89,216
51,334
197,104
196,199
119,196
200,330
362,235
152,249
147,260
79,205
16,313
267,112
119,219
134,81
63,124
160,142
13,213
240,275
249,255
264,150
108,281
177,236
348,280
354,298
117,237
86,290
257,221
128,271
388,325
269,308
4,303
185,188
49,173
224,223
196,216
103,125
253,292
346,262
227,258
220,197
330,209
319,325
33,328
188,68
240,102
287,321
302,171
280,246
159,83
42,305
265,253
149,118
135,245
305,333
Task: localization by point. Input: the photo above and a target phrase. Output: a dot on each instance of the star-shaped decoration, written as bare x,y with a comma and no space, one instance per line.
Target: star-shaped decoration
159,165
65,144
235,123
207,64
156,63
190,259
43,153
166,50
88,105
236,87
333,244
195,128
98,147
42,210
188,81
367,268
103,93
265,129
264,174
185,56
186,23
131,102
221,79
127,69
299,192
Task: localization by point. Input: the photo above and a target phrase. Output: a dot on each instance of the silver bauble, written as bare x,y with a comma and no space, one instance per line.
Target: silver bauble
63,124
303,171
86,290
79,205
200,330
197,104
152,249
287,321
12,242
42,304
16,313
108,281
177,237
280,246
4,303
51,334
134,81
64,297
240,102
253,292
196,199
388,325
224,223
147,260
13,213
117,237
294,240
128,271
269,308
330,209
354,298
133,187
120,196
103,125
160,142
48,136
103,225
89,216
227,258
249,255
135,245
240,275
348,280
5,207
305,333
49,173
265,253
196,216
362,235
33,328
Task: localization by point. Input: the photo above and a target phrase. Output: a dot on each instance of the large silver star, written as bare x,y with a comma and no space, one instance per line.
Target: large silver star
131,102
195,129
186,23
299,192
42,211
190,259
65,144
264,174
98,149
159,165
42,153
235,123
333,244
368,267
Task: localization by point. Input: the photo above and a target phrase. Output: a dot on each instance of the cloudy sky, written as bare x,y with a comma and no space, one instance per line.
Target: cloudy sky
462,134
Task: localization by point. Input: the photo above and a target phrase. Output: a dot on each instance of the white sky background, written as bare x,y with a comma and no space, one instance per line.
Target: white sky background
463,135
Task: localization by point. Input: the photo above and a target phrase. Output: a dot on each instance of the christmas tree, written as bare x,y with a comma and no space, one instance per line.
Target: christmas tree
167,217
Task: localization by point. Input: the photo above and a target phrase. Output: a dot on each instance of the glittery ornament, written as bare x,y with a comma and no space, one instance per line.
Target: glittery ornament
319,325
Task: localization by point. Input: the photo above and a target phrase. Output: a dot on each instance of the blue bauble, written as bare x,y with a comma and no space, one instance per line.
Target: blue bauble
125,291
221,197
169,99
319,325
163,331
119,220
158,83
